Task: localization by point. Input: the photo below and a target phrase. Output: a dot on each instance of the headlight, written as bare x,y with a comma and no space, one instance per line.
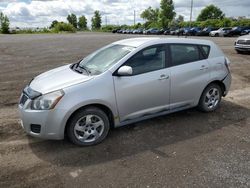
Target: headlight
47,101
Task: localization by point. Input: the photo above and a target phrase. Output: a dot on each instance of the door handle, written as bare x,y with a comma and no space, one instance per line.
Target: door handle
163,77
203,67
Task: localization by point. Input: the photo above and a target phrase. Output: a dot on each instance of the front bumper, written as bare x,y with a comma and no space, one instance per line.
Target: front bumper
245,48
51,122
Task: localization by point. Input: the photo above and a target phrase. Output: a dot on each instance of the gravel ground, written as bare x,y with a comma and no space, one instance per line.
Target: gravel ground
184,149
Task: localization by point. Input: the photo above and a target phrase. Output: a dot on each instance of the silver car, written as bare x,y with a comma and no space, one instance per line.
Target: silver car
122,83
242,44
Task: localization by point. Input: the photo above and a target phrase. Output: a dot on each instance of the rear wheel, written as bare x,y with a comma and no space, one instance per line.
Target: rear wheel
210,98
88,127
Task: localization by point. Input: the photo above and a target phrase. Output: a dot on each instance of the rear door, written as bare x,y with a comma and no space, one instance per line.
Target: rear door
189,74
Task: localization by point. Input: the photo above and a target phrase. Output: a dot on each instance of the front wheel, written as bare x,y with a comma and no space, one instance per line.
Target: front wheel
210,98
88,127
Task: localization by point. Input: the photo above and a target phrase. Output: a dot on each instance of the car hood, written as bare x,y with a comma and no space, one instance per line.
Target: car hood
244,37
56,79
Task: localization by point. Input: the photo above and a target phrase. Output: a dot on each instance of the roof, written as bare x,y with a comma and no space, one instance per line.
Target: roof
136,42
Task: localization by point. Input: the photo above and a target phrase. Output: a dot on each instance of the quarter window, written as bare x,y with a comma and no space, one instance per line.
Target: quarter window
149,59
184,53
206,50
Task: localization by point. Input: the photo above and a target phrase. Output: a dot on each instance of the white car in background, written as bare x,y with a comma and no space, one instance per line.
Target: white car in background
220,32
242,44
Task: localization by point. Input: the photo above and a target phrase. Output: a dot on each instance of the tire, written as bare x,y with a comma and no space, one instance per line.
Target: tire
88,127
239,52
210,98
216,35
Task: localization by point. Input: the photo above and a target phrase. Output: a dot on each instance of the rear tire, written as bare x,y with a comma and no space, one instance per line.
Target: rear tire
210,98
88,126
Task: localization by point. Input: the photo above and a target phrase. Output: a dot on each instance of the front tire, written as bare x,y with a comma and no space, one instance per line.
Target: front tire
88,126
210,98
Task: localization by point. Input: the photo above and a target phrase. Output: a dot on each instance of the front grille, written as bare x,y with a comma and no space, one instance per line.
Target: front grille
35,128
246,42
23,99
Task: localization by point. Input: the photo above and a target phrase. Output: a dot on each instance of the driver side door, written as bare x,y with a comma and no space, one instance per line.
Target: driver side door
147,90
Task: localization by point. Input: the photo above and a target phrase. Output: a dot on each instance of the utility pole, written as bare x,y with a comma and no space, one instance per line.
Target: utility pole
134,17
191,13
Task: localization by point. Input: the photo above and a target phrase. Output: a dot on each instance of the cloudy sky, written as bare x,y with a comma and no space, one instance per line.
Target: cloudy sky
40,13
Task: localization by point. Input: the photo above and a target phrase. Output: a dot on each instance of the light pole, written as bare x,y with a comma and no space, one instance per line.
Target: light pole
134,17
191,12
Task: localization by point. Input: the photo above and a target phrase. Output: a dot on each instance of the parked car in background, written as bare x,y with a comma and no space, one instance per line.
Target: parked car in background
192,31
220,32
173,31
123,83
236,31
205,31
167,32
138,31
242,44
115,30
152,31
245,32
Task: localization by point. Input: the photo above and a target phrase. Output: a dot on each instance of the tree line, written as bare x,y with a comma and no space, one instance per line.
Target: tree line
75,23
162,17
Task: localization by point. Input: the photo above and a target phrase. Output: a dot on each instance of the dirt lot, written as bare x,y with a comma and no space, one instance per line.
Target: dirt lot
185,149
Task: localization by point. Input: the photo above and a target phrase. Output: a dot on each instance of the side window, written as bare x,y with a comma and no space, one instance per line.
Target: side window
147,60
184,53
206,50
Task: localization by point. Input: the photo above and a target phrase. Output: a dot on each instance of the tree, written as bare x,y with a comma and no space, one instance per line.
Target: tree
4,23
53,24
82,23
96,20
72,19
62,26
151,16
210,12
180,18
167,12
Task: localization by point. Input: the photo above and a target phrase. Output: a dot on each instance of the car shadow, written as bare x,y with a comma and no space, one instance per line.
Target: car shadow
148,135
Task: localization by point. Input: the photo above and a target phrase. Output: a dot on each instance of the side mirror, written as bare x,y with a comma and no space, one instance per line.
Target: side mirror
125,71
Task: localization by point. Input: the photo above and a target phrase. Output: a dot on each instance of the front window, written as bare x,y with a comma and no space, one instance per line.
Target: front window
103,59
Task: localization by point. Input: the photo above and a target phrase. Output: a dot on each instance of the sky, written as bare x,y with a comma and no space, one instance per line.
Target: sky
40,13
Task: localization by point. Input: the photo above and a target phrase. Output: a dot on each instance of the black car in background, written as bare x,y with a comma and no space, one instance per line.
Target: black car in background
236,31
245,32
206,31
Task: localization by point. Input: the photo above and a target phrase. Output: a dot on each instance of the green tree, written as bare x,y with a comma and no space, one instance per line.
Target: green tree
167,12
180,18
4,23
151,16
61,26
72,19
82,23
96,20
53,24
210,12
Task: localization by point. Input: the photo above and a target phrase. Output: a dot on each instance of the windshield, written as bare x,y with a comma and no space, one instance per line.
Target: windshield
103,59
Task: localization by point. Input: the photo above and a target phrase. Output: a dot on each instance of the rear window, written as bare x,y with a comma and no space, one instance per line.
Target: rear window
184,53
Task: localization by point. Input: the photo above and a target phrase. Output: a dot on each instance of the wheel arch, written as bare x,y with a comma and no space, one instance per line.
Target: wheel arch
219,83
103,107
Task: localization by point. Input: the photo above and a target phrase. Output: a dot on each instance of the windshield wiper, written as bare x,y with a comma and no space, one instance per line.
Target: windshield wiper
84,68
76,67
